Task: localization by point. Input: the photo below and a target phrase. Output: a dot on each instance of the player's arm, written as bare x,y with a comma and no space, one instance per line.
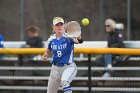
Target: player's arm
46,55
48,51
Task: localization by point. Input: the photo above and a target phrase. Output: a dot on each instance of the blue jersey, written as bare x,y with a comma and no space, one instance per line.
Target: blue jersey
1,44
1,41
63,49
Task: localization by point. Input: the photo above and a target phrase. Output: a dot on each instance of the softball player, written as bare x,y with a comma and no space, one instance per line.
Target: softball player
63,68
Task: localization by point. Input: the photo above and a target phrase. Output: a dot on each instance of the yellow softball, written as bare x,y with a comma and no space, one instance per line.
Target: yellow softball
85,21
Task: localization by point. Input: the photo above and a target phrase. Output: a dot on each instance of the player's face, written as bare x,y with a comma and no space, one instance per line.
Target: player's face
59,28
108,28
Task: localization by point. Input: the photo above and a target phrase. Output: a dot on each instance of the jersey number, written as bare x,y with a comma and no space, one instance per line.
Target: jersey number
59,53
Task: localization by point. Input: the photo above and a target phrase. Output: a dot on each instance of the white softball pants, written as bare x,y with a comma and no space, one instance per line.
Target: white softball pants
61,76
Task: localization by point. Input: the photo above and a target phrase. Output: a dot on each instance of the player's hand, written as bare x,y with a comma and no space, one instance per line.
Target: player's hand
79,37
80,40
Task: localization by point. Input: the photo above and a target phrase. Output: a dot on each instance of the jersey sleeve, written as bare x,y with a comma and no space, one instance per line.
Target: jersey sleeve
71,40
48,44
1,41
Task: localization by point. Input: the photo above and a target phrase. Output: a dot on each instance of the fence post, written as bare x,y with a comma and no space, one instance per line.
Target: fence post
20,59
89,73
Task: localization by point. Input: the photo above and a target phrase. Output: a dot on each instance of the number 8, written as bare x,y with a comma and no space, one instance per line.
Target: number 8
59,53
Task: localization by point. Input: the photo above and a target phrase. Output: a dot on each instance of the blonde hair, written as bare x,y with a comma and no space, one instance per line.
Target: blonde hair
111,23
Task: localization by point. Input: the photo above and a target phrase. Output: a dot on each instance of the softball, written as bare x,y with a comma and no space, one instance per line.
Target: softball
85,21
